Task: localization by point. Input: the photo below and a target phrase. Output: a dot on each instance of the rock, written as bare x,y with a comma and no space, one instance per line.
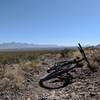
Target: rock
92,94
42,99
4,82
74,96
28,98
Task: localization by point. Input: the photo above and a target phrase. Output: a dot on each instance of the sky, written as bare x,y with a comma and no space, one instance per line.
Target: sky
60,22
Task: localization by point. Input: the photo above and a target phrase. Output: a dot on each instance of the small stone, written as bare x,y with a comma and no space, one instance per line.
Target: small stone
92,94
98,93
74,96
28,98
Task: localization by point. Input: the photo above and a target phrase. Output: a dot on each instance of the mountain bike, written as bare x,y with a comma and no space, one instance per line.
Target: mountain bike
59,75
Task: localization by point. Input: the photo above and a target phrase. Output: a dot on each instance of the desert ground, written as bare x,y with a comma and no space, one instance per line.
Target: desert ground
20,73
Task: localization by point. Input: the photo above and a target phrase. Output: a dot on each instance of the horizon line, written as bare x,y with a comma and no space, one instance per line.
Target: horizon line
31,43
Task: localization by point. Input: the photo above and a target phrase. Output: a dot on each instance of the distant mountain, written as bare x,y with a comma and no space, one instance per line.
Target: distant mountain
98,46
23,46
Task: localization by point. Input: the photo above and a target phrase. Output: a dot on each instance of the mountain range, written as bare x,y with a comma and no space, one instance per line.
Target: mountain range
98,46
25,46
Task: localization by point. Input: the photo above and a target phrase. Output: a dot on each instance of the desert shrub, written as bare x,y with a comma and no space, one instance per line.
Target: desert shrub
31,66
68,52
16,57
93,55
14,74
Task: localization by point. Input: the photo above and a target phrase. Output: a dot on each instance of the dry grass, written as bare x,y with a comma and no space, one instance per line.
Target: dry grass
93,55
14,73
31,66
14,65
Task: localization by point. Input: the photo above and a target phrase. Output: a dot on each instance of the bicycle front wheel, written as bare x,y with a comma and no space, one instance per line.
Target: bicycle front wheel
54,83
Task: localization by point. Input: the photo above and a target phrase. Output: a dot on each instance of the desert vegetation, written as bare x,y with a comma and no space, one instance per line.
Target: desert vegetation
21,71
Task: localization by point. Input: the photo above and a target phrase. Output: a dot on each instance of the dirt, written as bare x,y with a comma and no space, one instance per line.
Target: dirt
85,85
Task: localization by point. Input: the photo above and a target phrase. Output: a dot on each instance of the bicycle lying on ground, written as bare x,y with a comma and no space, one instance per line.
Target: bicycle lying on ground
59,75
